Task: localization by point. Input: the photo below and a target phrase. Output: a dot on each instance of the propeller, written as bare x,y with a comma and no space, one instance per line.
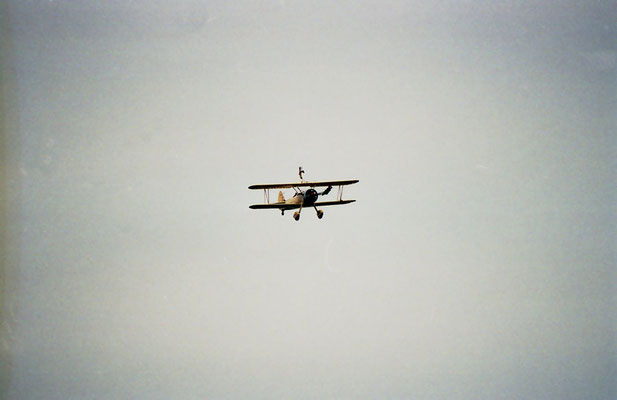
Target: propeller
325,192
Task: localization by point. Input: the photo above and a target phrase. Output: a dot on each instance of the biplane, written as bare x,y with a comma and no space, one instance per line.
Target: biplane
302,198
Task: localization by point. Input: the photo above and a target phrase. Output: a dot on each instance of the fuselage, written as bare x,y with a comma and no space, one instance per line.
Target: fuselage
307,198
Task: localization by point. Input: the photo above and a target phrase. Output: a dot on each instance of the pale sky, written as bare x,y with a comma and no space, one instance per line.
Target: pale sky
477,263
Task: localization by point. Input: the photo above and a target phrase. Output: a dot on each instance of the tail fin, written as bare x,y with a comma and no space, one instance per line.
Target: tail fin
281,197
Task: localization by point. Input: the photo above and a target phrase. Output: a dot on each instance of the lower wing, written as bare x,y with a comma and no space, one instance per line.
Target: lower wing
284,206
333,203
280,206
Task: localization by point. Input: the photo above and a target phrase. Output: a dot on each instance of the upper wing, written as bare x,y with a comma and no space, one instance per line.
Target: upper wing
333,203
280,206
304,184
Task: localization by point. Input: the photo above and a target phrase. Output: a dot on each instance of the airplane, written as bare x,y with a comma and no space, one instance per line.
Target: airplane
300,199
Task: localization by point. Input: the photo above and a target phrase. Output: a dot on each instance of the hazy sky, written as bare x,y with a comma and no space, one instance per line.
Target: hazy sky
477,263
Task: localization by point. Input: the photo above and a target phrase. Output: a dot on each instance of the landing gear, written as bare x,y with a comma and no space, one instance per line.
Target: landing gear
319,213
283,212
297,214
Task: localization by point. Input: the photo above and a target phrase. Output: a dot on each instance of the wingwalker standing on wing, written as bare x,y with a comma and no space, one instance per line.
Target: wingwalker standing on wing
301,198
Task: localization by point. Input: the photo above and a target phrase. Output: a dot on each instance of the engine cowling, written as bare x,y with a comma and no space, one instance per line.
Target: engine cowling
310,197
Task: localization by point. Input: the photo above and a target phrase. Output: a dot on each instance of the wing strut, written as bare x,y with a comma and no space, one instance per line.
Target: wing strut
267,196
339,195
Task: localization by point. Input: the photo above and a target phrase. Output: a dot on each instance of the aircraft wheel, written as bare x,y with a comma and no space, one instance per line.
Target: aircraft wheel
319,214
296,215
